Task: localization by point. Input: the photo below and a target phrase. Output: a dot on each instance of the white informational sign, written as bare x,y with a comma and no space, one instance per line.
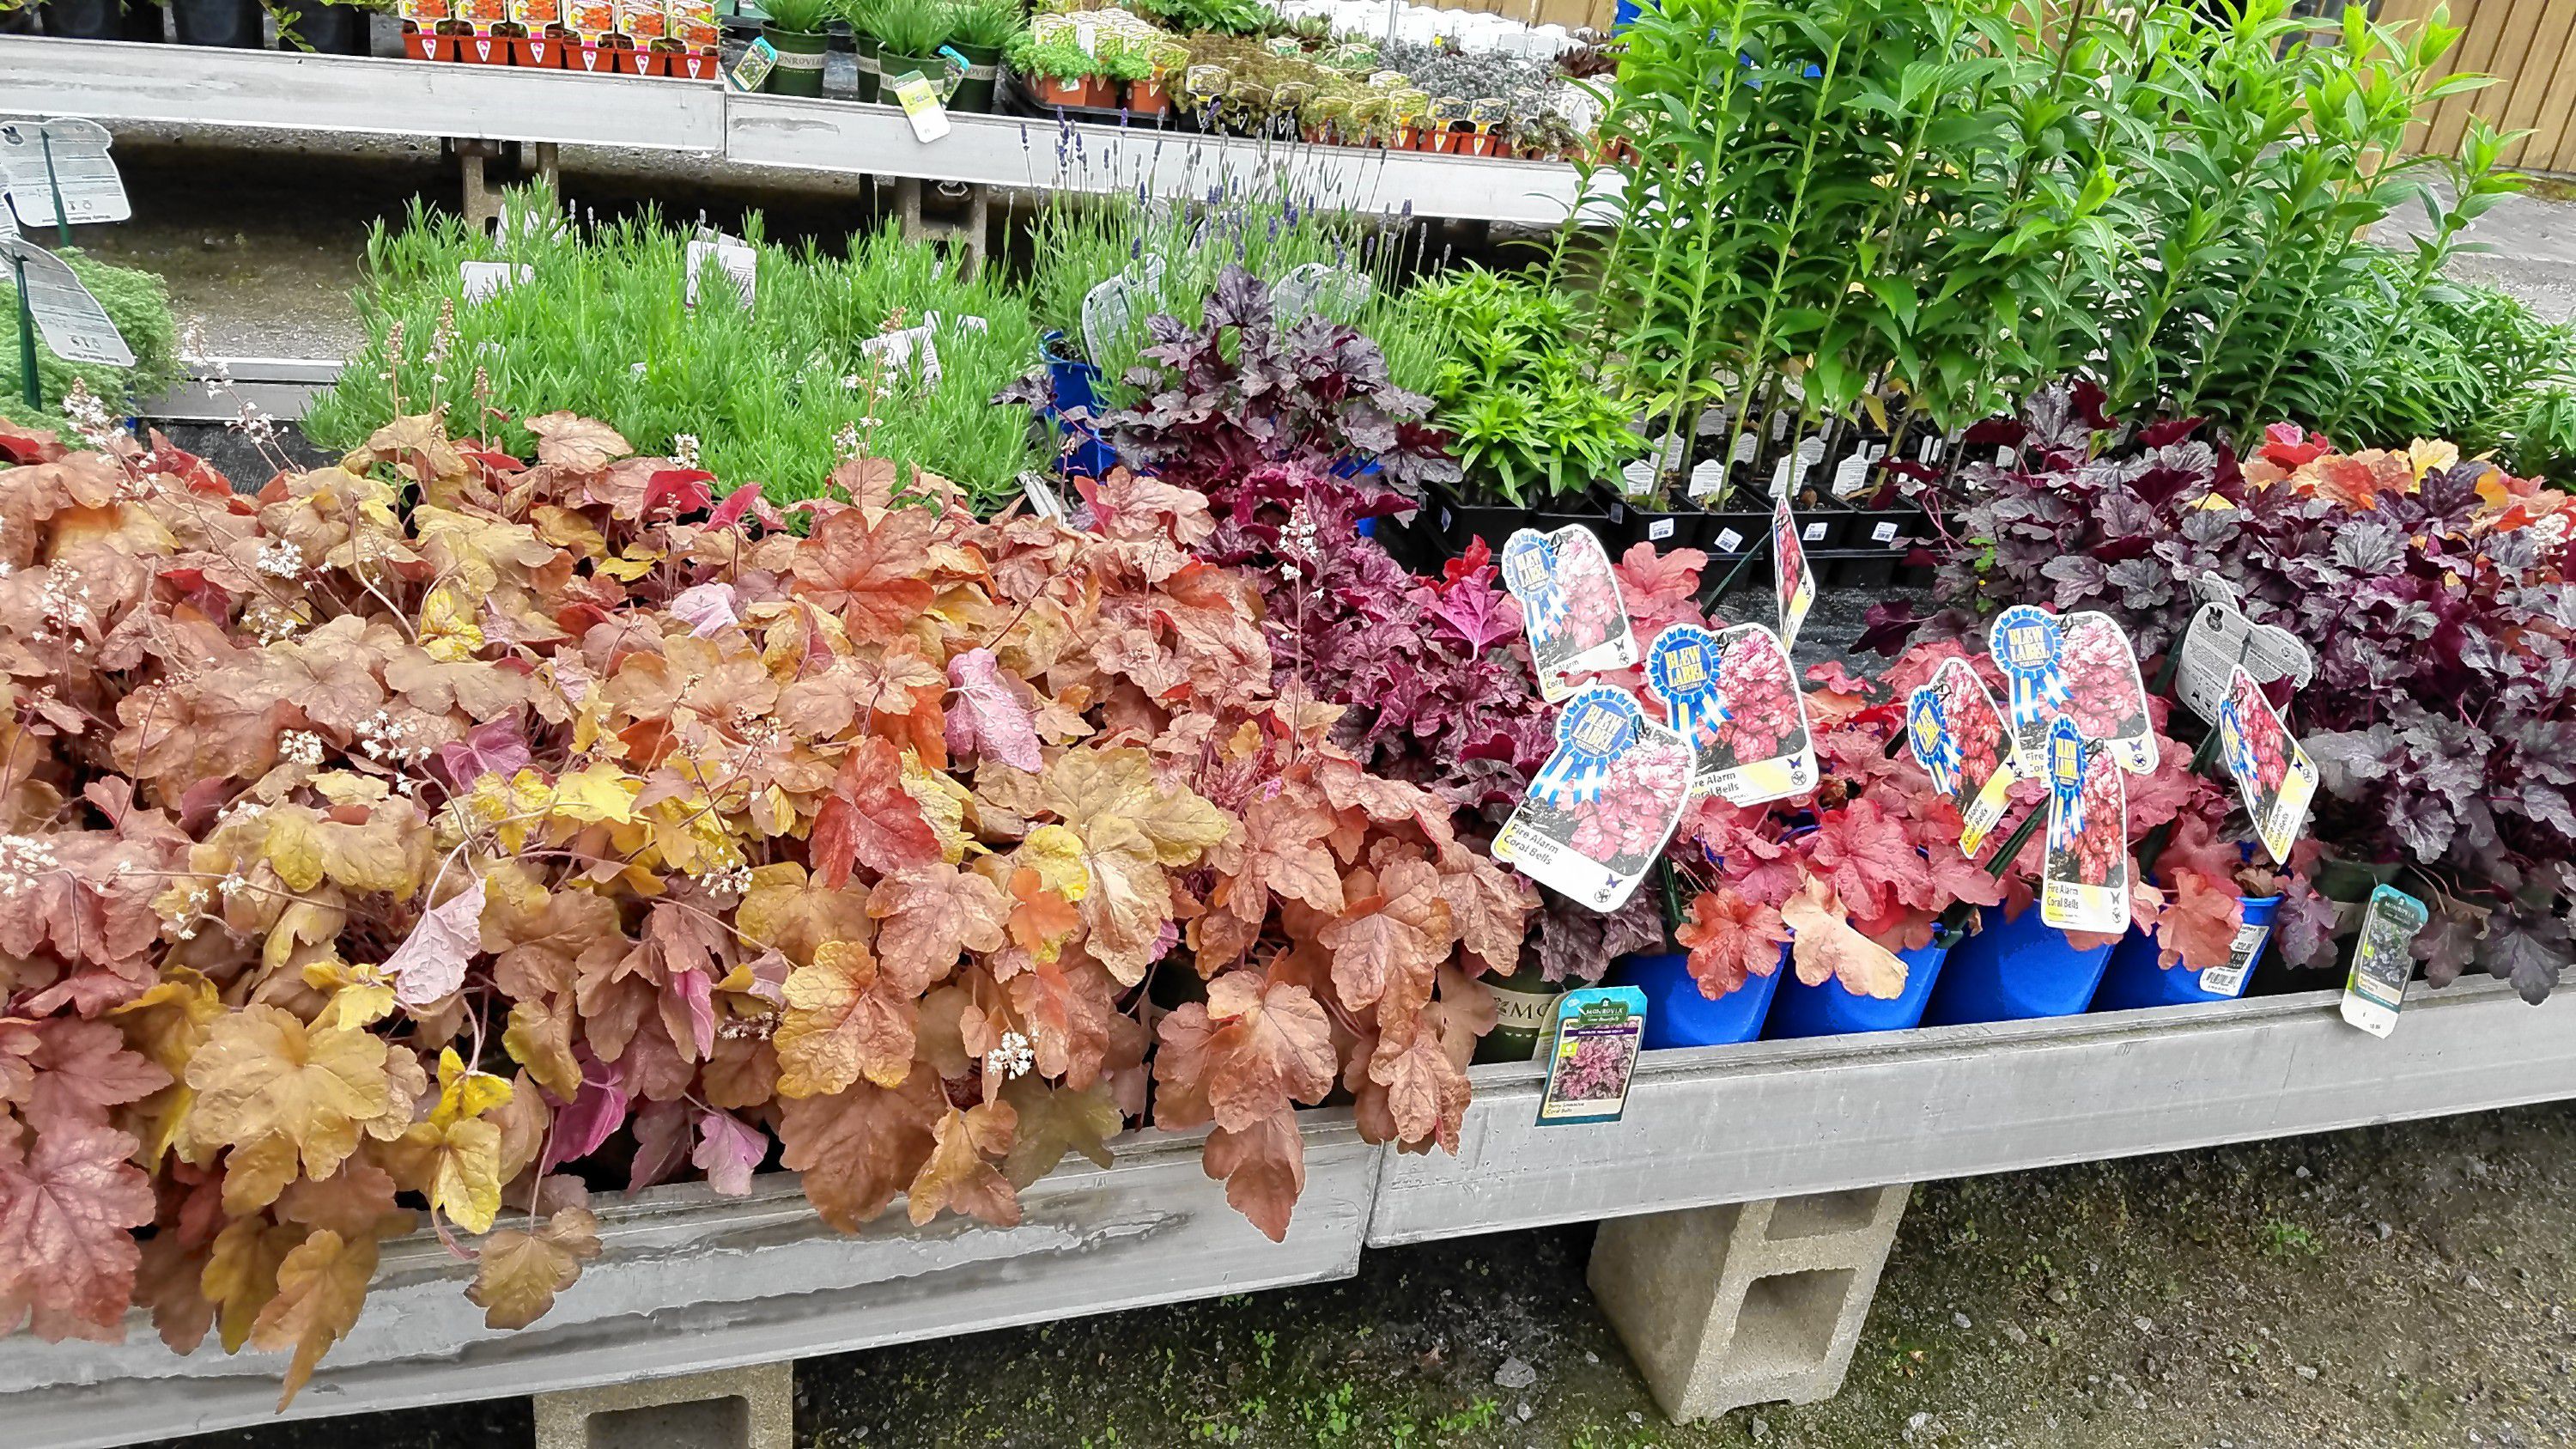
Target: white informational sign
733,254
72,322
2221,638
82,170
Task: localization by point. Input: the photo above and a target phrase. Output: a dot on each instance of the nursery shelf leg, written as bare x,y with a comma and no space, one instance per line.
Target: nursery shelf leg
965,234
744,1408
1748,1303
544,158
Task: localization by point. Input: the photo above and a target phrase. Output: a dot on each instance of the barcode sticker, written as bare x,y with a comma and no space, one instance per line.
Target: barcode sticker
1813,533
1729,541
1884,532
1659,530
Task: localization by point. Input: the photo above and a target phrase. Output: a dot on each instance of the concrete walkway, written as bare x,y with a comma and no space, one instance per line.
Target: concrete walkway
2526,245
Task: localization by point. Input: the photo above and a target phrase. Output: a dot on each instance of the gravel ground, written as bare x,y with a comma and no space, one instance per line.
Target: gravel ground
2392,1286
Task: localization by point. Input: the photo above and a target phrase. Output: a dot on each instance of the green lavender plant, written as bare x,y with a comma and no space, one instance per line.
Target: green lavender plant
803,17
912,27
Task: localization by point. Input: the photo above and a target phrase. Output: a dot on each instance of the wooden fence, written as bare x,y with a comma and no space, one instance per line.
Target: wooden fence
2530,47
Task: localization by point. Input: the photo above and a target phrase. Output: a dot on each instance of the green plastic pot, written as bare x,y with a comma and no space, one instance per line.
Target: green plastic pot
864,47
933,68
975,90
799,71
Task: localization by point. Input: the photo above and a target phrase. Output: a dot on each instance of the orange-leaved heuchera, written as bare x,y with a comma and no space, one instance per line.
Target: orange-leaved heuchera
441,838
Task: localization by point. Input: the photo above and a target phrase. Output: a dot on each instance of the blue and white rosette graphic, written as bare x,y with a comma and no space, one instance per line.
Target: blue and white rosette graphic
2066,759
1682,666
2028,643
1595,728
1529,571
1927,734
2241,759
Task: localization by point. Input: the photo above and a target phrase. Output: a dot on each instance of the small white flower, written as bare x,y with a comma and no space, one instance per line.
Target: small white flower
684,449
1011,1058
301,747
282,559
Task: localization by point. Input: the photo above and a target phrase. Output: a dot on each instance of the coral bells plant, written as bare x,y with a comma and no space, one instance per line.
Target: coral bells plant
442,836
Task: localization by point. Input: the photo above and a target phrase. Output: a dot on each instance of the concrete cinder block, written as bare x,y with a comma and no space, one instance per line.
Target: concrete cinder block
744,1408
1750,1303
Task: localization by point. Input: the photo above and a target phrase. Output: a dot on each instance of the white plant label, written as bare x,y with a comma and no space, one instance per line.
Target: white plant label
486,280
73,324
1707,478
737,258
2221,639
82,170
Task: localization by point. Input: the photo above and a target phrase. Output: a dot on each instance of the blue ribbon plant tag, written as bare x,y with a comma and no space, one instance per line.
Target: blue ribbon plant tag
1571,611
1957,736
2084,883
2274,777
1604,805
2029,643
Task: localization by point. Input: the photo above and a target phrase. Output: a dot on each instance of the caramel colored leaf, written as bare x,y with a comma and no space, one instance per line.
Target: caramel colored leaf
860,1146
1263,1167
265,1080
930,915
519,1273
1828,948
957,1178
1053,1121
845,1019
320,1287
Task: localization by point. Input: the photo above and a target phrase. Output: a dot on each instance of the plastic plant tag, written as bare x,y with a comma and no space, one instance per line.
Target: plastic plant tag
1790,581
2242,953
1604,805
1851,475
486,280
692,23
1319,289
82,171
1764,749
8,216
2383,960
2219,639
592,20
1957,736
2028,641
1681,668
2084,885
2274,777
423,13
2103,691
1570,608
1044,499
71,321
1591,1055
737,258
758,59
921,106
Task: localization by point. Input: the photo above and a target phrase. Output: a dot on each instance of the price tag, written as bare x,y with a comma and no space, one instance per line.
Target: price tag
921,107
2383,960
758,59
1744,446
92,191
73,324
1851,475
1729,541
486,280
1884,531
1659,530
1813,533
737,258
1707,478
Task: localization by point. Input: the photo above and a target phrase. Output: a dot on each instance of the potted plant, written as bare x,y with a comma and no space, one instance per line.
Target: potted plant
1056,69
794,28
536,34
1125,68
980,30
324,27
76,19
910,35
860,16
642,26
589,24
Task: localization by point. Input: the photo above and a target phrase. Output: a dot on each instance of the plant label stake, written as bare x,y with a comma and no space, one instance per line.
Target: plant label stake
32,389
74,325
2028,641
2104,692
1592,1055
2084,884
1790,580
1957,736
2274,777
2220,639
1570,605
1759,747
486,280
60,174
737,258
2383,960
1604,805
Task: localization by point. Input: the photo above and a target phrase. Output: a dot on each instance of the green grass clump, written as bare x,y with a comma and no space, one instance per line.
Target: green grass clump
601,330
138,302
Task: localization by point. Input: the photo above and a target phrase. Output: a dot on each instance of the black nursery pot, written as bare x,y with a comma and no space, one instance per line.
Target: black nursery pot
84,19
1666,530
1447,525
233,24
1588,509
329,29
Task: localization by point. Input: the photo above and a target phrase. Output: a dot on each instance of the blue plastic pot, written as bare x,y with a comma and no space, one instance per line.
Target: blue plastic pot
2012,970
1624,16
1069,385
2136,979
1833,1008
1678,1016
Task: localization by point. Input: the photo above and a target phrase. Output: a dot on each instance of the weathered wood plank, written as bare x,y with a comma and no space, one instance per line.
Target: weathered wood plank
1776,1119
691,1282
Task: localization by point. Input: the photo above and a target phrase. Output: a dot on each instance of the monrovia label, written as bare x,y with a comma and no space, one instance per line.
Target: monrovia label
1592,1054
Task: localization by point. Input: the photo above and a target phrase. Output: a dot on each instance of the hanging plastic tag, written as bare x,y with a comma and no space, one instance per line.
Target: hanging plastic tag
1570,607
81,170
2028,641
71,321
2274,777
1790,581
2219,639
2084,884
1958,737
2383,960
1603,807
1592,1055
2103,690
758,59
921,106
